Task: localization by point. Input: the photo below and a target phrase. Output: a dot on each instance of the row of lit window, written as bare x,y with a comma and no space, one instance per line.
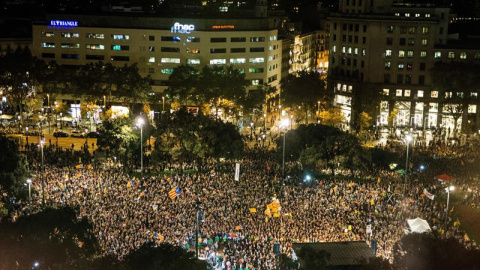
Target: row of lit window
74,56
432,106
461,55
403,53
349,50
433,94
166,59
404,79
408,29
151,48
163,38
88,35
405,41
401,66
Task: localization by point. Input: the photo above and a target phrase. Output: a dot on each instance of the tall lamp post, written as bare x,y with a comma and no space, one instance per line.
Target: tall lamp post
42,142
29,182
448,189
163,103
408,139
284,125
140,123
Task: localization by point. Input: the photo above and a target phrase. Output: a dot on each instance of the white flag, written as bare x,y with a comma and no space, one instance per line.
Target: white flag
428,194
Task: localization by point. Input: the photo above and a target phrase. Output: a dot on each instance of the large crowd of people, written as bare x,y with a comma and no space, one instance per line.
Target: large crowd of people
239,228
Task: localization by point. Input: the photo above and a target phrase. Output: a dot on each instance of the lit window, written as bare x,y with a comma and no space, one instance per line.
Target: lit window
407,93
463,55
401,53
334,49
399,93
409,54
166,70
388,65
438,55
420,93
257,82
424,41
48,45
95,36
94,47
401,65
237,61
151,59
343,49
70,35
193,50
170,60
48,34
218,61
388,53
386,92
355,51
425,30
434,94
451,55
70,46
423,54
193,61
126,37
474,94
472,108
257,60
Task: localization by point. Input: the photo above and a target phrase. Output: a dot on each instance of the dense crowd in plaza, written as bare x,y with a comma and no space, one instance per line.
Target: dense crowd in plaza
236,232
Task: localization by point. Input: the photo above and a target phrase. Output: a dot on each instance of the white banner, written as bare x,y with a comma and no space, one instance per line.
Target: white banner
237,171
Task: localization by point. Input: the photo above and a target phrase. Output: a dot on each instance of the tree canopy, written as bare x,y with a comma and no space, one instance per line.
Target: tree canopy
13,166
303,90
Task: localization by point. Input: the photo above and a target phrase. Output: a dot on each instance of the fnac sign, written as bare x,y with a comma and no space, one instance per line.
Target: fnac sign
182,28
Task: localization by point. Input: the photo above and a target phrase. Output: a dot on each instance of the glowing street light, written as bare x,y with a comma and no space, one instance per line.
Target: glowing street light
408,139
29,182
284,125
140,123
448,189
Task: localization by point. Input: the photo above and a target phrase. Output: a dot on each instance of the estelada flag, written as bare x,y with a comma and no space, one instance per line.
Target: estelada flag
174,193
267,212
239,227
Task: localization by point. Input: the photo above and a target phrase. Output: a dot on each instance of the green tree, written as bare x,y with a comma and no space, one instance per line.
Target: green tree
131,88
185,137
163,257
217,83
116,135
303,90
55,238
286,263
323,146
17,77
311,259
13,167
430,251
364,121
332,116
182,83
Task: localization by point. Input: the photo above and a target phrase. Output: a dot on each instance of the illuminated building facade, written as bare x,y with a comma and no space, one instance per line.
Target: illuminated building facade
158,45
382,52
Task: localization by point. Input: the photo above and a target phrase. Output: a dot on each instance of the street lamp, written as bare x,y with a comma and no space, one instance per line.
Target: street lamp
29,182
265,122
42,142
86,137
163,103
408,139
140,123
448,189
26,130
251,129
284,125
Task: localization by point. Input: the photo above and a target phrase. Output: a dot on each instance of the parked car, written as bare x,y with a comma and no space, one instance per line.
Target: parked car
77,134
57,134
93,134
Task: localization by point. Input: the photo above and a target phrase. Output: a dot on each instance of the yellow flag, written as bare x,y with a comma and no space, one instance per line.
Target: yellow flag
276,215
253,210
129,184
267,212
349,227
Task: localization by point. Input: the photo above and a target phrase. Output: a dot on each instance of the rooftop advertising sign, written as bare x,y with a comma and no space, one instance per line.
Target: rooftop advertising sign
182,28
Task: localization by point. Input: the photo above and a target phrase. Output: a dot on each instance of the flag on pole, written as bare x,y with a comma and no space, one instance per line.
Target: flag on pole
428,194
174,193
